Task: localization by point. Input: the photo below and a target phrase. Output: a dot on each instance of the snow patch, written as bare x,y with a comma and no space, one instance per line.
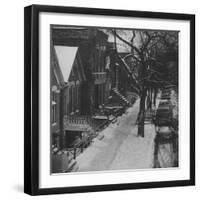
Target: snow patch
120,148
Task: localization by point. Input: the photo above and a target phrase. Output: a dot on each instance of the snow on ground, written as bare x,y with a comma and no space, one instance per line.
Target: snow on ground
120,148
136,152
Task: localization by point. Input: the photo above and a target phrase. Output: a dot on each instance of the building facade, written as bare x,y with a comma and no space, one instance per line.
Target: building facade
87,84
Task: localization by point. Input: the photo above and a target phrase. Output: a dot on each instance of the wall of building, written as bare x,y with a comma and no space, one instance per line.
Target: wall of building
55,105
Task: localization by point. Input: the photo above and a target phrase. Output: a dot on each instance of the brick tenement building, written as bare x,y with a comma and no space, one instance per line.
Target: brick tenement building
85,67
84,82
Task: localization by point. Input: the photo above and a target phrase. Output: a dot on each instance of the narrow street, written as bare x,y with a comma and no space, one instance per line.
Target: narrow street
119,147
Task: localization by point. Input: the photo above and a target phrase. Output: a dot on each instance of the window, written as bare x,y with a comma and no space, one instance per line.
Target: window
65,104
77,93
71,100
54,105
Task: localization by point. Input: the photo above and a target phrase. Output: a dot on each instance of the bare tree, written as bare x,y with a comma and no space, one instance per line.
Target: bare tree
151,53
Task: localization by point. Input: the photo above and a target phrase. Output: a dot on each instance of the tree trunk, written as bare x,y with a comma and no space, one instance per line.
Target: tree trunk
155,96
151,90
141,115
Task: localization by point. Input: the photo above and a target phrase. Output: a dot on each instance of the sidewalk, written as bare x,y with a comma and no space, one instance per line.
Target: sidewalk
120,148
136,152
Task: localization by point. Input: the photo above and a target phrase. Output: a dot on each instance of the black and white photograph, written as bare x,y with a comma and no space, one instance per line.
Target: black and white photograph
109,99
114,99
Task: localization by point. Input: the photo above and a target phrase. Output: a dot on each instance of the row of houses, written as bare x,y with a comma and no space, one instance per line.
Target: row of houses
88,86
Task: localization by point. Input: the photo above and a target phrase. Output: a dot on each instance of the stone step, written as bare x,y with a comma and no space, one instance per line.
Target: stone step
121,96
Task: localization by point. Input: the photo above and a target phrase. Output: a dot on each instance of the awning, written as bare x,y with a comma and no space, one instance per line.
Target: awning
99,117
76,128
113,107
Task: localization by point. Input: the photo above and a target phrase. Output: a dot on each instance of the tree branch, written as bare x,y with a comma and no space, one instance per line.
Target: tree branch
131,55
134,78
150,38
126,42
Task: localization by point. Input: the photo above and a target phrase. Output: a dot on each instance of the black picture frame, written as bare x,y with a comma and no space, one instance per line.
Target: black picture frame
31,98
